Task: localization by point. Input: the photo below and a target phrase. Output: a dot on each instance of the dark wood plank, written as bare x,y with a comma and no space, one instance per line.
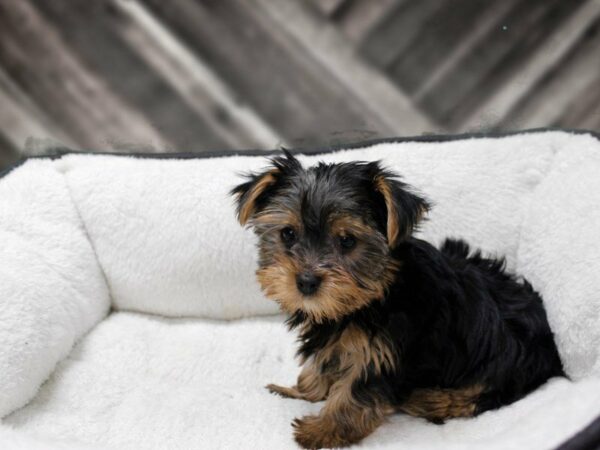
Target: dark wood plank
9,154
564,39
330,7
379,97
92,31
283,82
396,30
21,119
584,111
481,72
440,35
556,94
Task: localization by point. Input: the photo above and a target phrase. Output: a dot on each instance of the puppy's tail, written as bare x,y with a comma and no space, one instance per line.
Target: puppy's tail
456,248
459,251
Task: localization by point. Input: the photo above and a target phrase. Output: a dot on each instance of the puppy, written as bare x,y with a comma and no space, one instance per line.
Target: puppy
386,321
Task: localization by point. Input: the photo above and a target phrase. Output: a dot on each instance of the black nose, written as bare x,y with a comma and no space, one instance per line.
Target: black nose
308,283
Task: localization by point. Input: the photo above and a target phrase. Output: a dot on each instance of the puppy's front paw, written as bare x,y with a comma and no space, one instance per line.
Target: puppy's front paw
313,432
287,392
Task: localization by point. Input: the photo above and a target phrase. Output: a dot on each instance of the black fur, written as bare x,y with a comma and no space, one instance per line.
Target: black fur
456,319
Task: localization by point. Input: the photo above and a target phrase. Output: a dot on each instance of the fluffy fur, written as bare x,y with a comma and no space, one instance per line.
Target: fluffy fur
390,323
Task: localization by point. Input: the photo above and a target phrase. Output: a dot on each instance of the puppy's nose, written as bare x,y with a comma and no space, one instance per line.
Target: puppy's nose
308,283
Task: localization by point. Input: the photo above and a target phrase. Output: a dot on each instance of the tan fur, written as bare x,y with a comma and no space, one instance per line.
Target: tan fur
277,218
393,227
339,426
338,295
355,350
312,385
344,420
441,404
248,205
349,225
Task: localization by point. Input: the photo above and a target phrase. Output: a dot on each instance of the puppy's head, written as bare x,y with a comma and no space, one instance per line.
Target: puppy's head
326,233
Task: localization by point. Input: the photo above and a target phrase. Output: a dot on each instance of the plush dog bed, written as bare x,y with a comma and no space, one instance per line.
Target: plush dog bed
130,316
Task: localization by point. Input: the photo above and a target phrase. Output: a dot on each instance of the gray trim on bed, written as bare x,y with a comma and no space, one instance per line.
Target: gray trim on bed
61,151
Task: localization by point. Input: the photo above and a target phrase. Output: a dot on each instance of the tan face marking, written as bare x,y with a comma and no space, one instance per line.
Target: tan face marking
339,293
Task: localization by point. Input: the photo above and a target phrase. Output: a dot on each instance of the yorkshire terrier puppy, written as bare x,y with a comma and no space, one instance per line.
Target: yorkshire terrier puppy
387,322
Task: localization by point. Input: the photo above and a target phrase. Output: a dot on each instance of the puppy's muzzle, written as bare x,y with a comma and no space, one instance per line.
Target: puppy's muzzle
308,283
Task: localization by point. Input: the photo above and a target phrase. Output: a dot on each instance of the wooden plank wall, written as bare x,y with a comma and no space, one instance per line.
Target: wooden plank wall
198,75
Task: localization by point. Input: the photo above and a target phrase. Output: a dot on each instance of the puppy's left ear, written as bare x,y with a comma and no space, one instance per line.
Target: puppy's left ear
249,193
253,193
404,209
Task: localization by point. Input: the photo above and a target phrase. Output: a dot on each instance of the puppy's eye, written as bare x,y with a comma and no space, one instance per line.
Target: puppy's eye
288,236
347,242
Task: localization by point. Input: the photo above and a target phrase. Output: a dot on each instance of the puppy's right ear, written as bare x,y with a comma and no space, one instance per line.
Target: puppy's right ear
251,194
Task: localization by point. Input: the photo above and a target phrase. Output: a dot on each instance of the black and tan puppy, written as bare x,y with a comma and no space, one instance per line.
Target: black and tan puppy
387,322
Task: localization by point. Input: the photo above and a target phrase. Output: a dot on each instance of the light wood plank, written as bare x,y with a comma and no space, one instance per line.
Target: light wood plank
362,16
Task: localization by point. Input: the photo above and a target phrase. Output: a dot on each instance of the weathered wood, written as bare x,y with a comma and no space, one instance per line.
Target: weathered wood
360,16
17,124
444,31
93,32
379,97
9,154
584,111
490,19
38,60
195,82
552,52
262,63
329,7
396,30
492,61
22,119
210,74
557,95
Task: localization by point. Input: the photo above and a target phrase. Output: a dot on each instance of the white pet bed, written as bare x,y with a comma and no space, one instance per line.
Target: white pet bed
130,317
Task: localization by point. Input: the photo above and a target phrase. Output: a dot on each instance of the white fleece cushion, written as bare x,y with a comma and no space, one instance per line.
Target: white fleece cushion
166,235
560,253
51,288
189,383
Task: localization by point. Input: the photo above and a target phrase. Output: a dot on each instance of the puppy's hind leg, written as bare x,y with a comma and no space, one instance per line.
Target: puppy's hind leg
437,405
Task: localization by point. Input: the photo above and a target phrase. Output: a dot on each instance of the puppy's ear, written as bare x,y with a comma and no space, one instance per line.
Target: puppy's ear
403,209
251,195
